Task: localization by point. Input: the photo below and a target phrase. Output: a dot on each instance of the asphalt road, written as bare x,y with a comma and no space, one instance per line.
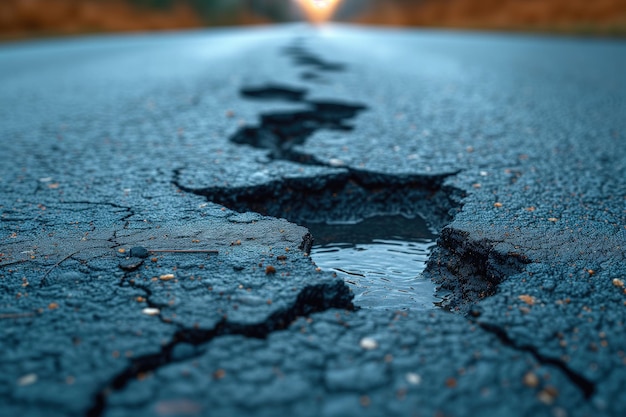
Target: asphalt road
511,148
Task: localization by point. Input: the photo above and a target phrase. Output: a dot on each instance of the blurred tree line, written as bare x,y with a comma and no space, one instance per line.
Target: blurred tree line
19,18
569,16
52,17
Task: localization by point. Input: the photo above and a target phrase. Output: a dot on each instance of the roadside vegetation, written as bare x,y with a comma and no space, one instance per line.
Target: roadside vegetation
32,18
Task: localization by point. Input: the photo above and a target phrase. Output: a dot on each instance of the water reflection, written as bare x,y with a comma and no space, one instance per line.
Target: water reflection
381,258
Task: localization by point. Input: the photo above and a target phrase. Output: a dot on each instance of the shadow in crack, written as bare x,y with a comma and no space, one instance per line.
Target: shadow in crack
280,132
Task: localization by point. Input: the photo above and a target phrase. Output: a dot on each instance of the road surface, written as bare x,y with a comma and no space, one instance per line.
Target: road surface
154,190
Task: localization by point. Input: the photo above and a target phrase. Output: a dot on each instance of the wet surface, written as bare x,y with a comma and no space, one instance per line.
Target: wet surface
381,258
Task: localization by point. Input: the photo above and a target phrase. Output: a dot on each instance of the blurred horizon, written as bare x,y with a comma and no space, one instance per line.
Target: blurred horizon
37,18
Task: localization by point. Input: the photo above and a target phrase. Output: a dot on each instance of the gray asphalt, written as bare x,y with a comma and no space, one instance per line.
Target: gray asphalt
224,143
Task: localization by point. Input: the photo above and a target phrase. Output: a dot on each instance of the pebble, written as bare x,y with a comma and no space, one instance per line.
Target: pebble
368,343
413,378
151,311
27,379
531,379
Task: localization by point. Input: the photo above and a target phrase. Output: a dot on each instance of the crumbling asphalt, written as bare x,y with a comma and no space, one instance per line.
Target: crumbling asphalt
153,189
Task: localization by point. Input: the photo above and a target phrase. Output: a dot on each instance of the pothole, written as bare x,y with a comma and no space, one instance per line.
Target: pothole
366,225
381,258
373,230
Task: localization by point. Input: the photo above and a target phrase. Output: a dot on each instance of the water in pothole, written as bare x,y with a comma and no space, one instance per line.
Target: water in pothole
381,258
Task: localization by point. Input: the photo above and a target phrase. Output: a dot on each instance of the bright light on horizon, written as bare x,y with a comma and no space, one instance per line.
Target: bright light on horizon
318,11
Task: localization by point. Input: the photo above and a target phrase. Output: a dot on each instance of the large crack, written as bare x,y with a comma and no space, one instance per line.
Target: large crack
348,194
470,270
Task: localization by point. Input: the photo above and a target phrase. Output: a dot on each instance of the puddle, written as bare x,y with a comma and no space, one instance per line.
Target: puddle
381,258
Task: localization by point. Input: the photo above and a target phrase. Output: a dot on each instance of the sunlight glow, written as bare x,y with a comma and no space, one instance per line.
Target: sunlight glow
318,11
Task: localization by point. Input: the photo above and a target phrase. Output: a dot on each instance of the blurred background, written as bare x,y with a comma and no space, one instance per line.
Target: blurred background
33,18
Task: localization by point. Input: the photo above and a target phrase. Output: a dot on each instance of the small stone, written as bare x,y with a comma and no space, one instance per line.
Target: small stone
368,343
553,219
27,379
528,299
497,205
139,252
335,162
548,395
166,277
618,283
531,379
151,311
53,306
413,378
270,270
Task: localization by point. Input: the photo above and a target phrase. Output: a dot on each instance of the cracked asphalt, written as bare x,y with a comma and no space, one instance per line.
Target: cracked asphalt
154,187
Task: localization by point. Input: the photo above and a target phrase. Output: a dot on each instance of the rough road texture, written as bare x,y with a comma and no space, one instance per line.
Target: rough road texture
511,147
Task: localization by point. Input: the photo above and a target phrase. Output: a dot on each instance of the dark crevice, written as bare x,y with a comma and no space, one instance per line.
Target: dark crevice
343,196
274,92
470,269
305,58
587,387
312,299
280,132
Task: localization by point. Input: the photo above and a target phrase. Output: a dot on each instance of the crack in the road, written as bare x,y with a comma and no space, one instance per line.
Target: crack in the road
346,196
311,299
586,386
280,133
